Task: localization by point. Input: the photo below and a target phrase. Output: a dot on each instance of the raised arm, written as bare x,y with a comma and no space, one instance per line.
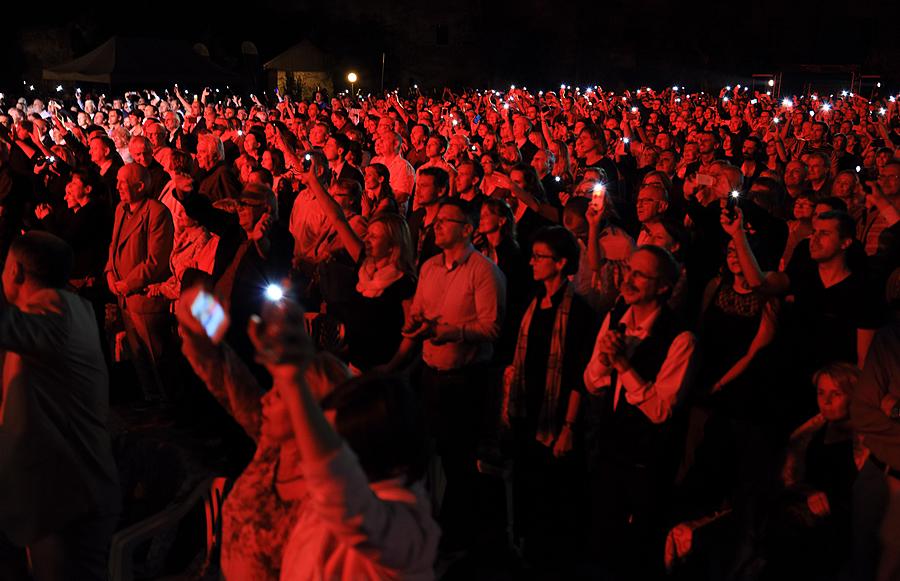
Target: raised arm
774,283
335,214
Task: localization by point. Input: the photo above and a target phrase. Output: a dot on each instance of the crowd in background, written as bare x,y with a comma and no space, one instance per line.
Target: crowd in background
671,315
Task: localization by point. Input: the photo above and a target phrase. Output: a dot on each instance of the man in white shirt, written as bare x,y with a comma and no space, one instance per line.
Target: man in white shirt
639,368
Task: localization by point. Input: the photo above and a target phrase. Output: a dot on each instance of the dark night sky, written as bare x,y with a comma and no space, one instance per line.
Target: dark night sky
527,40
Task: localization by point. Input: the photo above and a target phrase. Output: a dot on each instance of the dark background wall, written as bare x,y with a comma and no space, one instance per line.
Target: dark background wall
489,42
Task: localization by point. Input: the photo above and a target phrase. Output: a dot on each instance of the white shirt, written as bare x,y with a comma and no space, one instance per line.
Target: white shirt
403,176
657,397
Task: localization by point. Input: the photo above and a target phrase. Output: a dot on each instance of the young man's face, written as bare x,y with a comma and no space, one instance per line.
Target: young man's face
450,227
826,243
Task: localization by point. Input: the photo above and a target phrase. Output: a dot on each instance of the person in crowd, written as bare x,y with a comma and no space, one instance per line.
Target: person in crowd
60,488
107,164
375,311
264,503
456,314
403,177
811,530
139,254
638,372
542,400
827,324
738,151
246,259
366,515
497,240
217,180
378,195
432,187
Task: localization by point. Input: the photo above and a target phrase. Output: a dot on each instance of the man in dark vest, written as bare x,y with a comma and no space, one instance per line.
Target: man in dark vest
637,373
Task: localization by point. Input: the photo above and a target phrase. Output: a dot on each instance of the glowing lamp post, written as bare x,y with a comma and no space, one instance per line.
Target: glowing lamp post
352,79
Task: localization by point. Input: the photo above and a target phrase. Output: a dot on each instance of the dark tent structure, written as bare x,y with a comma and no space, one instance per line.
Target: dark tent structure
131,61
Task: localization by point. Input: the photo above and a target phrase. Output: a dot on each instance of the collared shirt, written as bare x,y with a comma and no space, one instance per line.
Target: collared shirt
469,295
654,397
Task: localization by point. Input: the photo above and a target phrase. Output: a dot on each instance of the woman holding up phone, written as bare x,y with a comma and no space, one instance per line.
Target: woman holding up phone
264,504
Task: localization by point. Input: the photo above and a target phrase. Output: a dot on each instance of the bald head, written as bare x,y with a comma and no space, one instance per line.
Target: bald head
132,183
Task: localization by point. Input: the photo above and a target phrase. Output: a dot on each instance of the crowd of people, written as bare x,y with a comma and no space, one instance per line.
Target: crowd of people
670,316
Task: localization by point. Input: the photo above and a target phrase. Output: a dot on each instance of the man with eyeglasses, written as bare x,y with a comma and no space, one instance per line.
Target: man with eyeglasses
638,371
652,203
455,317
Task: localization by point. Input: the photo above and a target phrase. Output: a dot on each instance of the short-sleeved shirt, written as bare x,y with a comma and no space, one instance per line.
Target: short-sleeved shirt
826,319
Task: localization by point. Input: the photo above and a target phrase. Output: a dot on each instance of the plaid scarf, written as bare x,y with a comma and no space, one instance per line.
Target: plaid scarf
548,423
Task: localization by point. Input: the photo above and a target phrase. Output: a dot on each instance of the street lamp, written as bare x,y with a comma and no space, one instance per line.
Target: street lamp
352,78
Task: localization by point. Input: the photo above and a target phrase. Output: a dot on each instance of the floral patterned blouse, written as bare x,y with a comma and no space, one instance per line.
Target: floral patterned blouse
259,512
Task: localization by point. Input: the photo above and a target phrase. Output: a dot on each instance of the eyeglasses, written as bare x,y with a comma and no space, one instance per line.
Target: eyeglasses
628,271
441,221
536,256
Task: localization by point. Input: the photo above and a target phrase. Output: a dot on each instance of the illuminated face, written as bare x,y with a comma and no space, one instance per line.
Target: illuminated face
465,177
691,152
843,186
129,185
98,151
660,237
889,180
834,403
171,121
378,242
489,221
206,154
417,136
641,284
266,161
817,169
706,144
487,164
520,127
803,209
544,264
426,192
650,203
584,144
251,144
156,133
433,147
317,135
818,133
450,227
76,192
371,178
666,163
825,243
794,174
331,151
141,152
541,163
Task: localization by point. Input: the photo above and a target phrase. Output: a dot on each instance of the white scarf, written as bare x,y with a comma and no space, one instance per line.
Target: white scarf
373,280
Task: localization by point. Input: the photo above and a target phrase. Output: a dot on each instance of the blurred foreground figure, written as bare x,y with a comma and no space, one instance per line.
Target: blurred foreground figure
59,493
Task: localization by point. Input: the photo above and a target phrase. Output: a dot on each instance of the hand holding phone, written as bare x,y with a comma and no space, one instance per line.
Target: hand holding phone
207,311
